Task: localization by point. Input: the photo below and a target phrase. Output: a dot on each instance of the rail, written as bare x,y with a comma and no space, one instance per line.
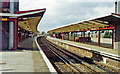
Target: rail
65,56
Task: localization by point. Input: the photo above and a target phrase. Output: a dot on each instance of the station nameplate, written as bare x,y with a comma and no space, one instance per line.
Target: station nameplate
4,19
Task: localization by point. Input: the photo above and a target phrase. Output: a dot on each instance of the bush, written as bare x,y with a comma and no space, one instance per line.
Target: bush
108,35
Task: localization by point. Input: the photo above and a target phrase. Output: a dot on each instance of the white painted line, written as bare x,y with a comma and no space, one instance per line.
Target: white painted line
50,66
102,53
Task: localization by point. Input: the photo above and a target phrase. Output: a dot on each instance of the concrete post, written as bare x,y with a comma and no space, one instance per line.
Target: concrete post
11,27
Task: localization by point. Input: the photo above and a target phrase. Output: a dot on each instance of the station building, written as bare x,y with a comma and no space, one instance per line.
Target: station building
17,25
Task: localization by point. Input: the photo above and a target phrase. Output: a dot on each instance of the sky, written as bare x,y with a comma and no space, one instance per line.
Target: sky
65,12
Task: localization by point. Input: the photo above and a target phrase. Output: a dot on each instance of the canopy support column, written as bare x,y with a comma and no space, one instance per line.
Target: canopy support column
74,36
63,36
60,35
89,37
71,34
99,37
68,35
113,39
15,34
55,35
83,36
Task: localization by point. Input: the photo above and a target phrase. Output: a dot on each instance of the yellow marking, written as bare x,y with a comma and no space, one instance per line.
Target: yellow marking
4,19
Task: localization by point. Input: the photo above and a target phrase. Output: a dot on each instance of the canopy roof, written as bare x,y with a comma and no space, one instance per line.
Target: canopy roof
27,20
30,22
94,24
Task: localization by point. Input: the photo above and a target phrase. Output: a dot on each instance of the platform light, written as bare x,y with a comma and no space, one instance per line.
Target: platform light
18,28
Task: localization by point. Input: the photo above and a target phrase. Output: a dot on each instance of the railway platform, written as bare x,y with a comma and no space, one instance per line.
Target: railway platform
103,55
88,46
25,59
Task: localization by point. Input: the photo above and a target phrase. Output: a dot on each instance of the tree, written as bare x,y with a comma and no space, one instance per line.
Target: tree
43,33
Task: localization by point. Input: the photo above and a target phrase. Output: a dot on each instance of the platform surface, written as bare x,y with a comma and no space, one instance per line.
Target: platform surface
23,60
93,47
17,62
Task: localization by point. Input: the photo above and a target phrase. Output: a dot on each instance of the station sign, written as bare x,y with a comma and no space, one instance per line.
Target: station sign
4,19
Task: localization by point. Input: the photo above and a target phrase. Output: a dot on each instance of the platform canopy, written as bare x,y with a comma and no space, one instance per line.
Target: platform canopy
106,22
30,22
27,20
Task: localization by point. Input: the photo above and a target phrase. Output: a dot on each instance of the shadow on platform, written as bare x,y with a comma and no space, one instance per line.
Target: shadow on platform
27,44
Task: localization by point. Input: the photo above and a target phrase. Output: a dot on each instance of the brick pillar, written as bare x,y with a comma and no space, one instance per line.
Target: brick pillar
117,37
117,27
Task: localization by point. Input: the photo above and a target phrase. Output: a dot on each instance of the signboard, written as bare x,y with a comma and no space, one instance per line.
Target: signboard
4,19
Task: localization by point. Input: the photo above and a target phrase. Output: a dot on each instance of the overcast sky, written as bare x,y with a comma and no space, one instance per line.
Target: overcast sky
63,12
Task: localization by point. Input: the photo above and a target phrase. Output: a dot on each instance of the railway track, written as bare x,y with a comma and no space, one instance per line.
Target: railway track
71,62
